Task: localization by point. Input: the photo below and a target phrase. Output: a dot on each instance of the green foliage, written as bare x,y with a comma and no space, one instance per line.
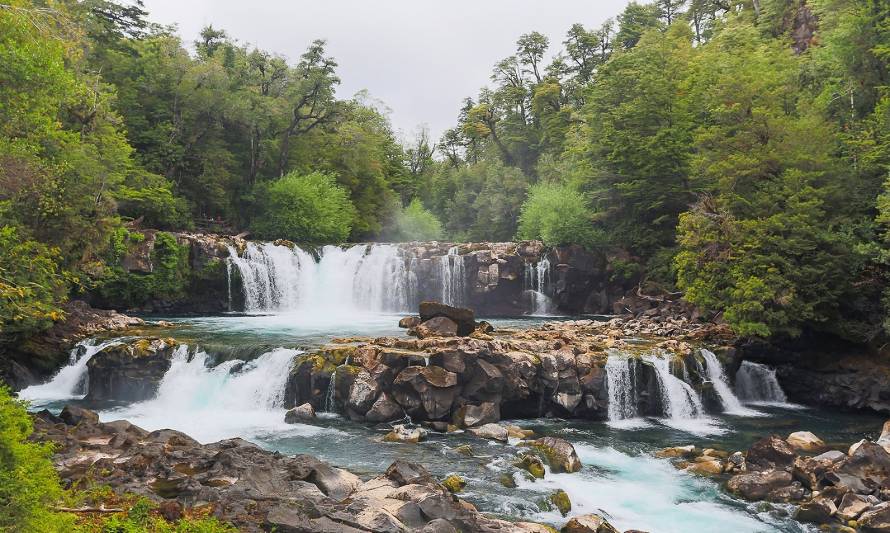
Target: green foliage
305,208
28,483
168,280
557,215
416,223
32,286
139,519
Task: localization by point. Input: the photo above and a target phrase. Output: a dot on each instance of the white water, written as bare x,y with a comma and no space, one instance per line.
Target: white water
71,382
731,404
232,399
681,404
640,492
451,272
537,278
358,279
622,388
757,384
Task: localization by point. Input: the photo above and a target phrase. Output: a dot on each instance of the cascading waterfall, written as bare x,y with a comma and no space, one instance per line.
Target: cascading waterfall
757,383
717,376
233,398
71,382
679,399
537,278
361,278
622,387
451,271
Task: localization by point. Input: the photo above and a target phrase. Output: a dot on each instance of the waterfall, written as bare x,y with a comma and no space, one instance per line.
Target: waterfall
451,272
361,278
71,382
679,399
757,383
621,383
537,278
731,404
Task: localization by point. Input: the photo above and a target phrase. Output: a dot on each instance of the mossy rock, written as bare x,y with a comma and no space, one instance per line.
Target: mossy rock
507,481
454,483
531,464
465,449
560,499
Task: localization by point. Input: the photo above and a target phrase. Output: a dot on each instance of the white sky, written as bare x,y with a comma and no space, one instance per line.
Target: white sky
421,58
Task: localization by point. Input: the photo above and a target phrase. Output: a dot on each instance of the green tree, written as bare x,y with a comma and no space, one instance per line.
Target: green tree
416,223
557,215
305,208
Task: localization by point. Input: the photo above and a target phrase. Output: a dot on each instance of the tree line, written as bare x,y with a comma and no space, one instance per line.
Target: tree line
736,150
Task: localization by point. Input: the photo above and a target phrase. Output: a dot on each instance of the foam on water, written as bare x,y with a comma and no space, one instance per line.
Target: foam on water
640,492
731,404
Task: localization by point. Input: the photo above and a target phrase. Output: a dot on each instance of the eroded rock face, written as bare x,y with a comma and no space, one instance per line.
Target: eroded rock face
252,488
130,371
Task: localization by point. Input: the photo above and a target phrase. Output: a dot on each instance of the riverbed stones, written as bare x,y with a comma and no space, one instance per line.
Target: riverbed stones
589,523
759,484
770,452
299,414
804,441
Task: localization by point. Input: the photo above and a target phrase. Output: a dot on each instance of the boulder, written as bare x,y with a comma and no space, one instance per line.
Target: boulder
769,452
710,467
363,392
811,470
676,451
589,523
129,372
302,413
404,433
757,485
454,483
74,415
477,415
491,431
385,409
804,441
819,510
464,318
439,326
560,454
560,500
852,506
531,464
875,520
409,322
405,473
884,439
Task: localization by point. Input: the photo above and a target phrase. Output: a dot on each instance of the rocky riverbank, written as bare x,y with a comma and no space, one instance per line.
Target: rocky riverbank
838,490
258,490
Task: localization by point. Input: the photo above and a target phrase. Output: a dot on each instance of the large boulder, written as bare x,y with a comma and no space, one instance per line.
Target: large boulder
589,523
74,415
130,372
804,441
770,452
439,326
876,520
758,485
492,432
299,414
559,453
819,510
464,318
811,470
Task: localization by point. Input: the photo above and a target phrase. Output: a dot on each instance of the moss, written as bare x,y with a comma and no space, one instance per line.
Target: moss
454,483
532,465
465,449
560,499
507,481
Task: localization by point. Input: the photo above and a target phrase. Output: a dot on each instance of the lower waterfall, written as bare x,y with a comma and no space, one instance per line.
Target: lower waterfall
451,271
679,399
756,383
71,381
731,404
537,278
622,387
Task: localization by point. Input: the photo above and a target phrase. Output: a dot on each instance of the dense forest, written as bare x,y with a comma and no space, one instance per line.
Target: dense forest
735,150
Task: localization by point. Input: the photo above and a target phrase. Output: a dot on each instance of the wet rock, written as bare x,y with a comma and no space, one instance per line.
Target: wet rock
757,485
804,441
363,392
531,464
464,318
589,523
560,500
819,510
385,409
676,451
868,460
405,473
302,413
403,433
409,322
706,468
477,415
811,470
875,520
560,454
792,493
73,415
769,452
131,371
439,326
491,431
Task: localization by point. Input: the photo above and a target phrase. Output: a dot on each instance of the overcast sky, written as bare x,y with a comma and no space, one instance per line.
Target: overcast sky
421,58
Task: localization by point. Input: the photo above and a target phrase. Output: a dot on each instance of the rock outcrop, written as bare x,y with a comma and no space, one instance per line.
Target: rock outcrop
130,371
254,489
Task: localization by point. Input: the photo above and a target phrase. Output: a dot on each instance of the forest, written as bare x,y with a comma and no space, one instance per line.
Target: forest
735,150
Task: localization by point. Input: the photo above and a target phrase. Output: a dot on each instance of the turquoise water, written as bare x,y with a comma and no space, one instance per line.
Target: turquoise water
620,477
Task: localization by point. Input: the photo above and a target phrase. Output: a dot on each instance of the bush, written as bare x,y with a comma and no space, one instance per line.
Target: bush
416,223
557,215
310,208
28,482
31,284
156,204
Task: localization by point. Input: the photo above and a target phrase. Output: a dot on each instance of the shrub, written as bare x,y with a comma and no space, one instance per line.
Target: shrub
309,208
416,223
557,215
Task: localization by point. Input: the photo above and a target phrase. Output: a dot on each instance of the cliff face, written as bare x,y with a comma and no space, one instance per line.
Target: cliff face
508,278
